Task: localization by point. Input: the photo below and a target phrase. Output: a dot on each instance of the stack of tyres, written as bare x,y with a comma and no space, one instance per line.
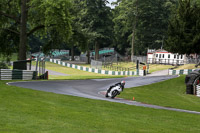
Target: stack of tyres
198,90
192,81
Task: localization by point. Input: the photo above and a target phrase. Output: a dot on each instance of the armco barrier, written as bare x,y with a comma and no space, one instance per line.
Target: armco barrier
8,74
180,72
128,73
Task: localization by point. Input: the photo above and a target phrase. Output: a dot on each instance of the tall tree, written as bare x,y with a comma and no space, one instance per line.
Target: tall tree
125,19
96,22
78,37
184,29
46,17
142,22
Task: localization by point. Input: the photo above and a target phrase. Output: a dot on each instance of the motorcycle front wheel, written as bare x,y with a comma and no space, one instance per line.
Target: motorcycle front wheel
114,94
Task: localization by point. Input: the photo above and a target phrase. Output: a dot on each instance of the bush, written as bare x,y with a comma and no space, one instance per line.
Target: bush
3,65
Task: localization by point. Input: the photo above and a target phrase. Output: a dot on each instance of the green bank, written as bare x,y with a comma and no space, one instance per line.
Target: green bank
170,93
24,110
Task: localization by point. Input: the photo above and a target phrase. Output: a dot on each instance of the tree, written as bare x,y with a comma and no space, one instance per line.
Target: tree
184,29
8,47
153,23
78,37
96,22
142,22
26,17
125,19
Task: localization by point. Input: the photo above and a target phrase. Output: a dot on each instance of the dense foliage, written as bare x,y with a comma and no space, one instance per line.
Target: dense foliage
22,18
131,27
143,20
3,65
96,22
184,29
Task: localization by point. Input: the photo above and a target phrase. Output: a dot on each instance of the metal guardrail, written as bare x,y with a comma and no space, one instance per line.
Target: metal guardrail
165,61
172,61
8,74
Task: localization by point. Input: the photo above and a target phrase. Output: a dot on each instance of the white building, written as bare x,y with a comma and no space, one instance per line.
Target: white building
164,57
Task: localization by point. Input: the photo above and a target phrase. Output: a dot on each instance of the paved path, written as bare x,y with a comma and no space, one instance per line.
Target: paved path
52,72
95,88
159,73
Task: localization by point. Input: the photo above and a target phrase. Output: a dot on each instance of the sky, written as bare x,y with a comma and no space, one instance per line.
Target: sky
110,1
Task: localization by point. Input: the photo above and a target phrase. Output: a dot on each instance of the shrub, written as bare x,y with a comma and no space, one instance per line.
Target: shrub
3,65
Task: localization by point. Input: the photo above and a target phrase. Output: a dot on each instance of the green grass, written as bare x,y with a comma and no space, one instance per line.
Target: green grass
114,66
158,67
13,57
152,67
74,73
170,93
25,110
187,66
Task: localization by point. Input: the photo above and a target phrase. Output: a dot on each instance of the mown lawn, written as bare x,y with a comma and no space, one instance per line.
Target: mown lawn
24,110
152,67
187,66
170,93
158,67
74,73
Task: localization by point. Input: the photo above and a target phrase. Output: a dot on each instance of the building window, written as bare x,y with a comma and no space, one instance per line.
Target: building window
168,55
177,56
156,55
163,56
159,55
174,56
181,56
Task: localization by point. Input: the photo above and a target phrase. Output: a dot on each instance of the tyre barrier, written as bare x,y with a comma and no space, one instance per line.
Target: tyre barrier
179,72
192,82
198,90
8,74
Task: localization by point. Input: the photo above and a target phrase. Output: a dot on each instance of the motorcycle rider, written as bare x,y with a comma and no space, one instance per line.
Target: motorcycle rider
121,84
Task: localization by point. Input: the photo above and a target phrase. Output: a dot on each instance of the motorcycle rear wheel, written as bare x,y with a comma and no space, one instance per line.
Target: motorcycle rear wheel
106,94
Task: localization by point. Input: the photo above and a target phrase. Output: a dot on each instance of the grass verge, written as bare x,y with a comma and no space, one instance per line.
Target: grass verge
24,110
152,67
158,67
187,66
74,73
170,93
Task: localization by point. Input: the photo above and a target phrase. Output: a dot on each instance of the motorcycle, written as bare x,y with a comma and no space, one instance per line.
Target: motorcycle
114,91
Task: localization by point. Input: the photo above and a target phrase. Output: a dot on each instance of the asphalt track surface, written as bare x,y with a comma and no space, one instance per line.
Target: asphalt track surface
95,88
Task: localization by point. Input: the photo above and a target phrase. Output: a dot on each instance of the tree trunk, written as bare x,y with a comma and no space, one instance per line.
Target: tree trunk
23,35
88,57
132,45
72,53
134,33
96,50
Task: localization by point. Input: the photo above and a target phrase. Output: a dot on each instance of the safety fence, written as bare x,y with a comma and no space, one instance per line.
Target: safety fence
166,61
128,73
180,72
8,74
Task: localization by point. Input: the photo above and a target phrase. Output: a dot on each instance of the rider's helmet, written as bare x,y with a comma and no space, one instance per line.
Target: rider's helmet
123,83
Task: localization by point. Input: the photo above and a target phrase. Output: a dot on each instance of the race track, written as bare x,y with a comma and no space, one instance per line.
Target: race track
95,88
